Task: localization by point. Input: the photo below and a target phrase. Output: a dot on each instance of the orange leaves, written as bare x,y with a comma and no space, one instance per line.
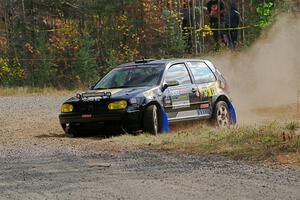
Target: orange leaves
2,43
123,25
152,13
66,38
29,48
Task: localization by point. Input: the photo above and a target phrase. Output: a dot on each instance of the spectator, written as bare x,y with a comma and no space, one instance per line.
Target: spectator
234,22
216,12
188,23
186,26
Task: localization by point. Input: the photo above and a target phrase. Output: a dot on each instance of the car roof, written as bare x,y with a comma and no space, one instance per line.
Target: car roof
163,62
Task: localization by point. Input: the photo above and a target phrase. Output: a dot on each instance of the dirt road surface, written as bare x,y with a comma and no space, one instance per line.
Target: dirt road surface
37,161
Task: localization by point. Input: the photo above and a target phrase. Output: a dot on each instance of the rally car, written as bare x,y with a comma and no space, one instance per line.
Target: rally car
149,94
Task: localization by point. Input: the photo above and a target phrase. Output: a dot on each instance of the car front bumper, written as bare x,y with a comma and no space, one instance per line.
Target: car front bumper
131,120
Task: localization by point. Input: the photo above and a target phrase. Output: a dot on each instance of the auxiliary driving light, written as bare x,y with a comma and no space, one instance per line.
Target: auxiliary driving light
67,108
117,105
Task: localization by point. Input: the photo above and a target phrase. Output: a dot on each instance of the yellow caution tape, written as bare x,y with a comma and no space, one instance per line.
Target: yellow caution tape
207,28
225,29
52,30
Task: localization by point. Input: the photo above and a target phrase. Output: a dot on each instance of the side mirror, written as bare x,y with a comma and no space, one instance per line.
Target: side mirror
169,84
172,83
92,87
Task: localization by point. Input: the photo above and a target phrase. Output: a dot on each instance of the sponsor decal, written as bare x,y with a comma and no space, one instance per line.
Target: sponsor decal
178,92
181,101
222,85
209,90
204,106
152,93
212,88
185,114
204,112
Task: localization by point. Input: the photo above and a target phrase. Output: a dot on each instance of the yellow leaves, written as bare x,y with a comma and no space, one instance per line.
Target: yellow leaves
66,38
4,66
128,48
14,70
123,25
147,6
29,47
126,52
124,18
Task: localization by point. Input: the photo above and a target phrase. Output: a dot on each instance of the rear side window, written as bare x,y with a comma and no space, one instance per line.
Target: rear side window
202,73
178,73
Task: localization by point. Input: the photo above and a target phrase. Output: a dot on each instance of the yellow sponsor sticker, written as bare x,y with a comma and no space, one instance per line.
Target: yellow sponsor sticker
223,85
217,85
200,89
209,90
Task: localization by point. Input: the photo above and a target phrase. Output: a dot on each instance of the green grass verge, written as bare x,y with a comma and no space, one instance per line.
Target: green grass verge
269,142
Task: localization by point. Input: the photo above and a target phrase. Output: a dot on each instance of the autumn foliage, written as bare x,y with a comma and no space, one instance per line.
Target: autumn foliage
73,43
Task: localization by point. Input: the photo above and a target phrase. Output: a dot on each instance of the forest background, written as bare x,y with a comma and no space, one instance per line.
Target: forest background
72,43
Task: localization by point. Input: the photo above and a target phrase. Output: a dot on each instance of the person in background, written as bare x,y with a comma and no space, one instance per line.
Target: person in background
216,12
186,26
234,22
188,23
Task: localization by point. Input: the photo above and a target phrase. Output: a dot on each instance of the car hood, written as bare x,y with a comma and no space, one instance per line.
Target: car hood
124,92
118,93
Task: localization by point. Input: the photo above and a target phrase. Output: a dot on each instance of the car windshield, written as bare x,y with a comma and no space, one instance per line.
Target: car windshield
132,76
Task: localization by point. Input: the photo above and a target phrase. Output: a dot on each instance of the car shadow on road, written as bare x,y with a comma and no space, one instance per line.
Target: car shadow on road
96,135
53,135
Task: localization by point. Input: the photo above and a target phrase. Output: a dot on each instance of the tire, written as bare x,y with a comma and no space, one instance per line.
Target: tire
69,130
151,120
221,116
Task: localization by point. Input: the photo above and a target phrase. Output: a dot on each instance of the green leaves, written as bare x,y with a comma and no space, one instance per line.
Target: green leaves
85,65
174,44
265,11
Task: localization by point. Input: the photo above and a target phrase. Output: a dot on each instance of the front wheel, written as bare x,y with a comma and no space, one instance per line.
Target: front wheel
70,130
151,120
221,116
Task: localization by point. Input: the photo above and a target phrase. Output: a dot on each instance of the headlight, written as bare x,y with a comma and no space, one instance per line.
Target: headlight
117,105
67,108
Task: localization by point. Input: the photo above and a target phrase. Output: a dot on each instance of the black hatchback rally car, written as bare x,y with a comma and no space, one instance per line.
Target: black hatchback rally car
148,95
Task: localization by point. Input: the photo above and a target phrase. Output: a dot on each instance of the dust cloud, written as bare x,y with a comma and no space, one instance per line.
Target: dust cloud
268,73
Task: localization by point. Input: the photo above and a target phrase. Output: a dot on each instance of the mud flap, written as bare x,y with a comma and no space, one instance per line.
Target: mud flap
165,125
232,113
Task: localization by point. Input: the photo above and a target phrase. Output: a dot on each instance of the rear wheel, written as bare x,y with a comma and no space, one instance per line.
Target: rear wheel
151,120
221,116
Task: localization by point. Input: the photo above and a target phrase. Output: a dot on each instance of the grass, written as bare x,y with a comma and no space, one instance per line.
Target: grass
34,91
274,142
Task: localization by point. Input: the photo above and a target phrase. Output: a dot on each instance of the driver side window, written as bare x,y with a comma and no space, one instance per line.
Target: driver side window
178,73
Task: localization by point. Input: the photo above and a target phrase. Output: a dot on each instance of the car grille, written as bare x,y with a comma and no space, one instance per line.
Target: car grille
91,107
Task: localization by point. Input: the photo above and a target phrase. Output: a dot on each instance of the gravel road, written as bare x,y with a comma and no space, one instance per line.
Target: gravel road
37,161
